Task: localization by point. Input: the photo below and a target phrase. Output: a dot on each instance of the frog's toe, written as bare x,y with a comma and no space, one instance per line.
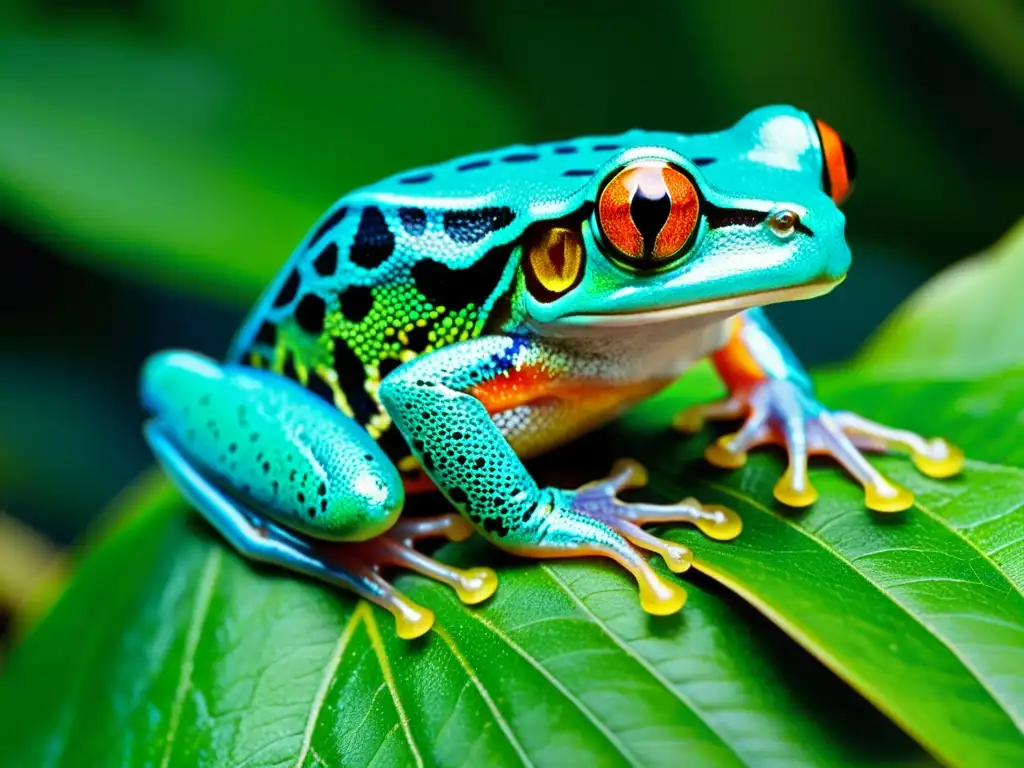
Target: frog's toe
880,493
598,501
599,504
941,461
395,549
795,489
933,457
691,420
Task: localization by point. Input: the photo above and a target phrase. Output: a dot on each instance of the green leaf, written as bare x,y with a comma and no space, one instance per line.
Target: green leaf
922,613
170,649
968,321
200,158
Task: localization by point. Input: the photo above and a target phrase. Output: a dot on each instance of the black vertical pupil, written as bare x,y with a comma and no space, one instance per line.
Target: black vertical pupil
650,210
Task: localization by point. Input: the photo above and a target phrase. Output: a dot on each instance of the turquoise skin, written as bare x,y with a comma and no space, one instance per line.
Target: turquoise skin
444,324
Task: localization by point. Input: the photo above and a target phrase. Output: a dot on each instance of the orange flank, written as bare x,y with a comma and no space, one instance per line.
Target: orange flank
735,364
513,388
531,384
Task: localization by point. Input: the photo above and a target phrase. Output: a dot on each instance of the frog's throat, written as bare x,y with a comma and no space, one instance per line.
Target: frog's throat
726,306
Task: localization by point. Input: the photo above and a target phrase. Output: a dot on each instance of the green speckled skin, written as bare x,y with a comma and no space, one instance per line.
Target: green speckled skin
454,319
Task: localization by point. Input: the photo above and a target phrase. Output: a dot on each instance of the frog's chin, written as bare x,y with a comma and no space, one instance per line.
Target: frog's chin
715,307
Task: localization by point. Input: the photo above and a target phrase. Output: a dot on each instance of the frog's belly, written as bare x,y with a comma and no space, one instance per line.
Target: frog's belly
539,426
622,367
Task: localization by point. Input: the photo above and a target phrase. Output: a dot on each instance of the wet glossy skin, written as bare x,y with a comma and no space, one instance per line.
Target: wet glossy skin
436,328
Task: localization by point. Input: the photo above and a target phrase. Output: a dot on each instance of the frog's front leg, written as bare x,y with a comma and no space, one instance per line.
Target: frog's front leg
291,481
434,402
769,388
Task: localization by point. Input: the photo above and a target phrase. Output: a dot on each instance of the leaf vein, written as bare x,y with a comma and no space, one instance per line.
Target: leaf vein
499,718
204,598
325,684
644,663
557,684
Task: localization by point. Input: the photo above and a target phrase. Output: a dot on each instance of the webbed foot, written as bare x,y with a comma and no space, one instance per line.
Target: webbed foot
354,566
395,548
593,521
779,412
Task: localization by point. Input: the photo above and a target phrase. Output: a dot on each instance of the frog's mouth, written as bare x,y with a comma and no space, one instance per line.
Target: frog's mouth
727,306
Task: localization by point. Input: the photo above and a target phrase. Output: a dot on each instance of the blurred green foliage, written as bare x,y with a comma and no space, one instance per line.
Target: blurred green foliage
160,158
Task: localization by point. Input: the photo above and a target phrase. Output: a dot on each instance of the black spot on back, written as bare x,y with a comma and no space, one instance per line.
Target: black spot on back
605,147
288,369
520,157
310,314
288,290
472,166
703,160
419,178
319,387
327,262
351,379
577,172
455,288
387,366
329,223
467,227
418,338
374,242
567,149
267,334
414,220
356,303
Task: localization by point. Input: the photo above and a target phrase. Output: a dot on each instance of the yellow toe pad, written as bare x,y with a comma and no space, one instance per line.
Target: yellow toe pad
948,462
897,500
663,598
477,585
787,492
719,454
722,524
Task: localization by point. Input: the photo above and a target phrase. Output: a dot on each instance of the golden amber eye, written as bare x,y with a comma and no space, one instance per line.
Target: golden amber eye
838,161
783,223
554,263
648,212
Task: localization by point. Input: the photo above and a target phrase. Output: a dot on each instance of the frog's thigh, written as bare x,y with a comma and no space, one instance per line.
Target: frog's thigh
280,450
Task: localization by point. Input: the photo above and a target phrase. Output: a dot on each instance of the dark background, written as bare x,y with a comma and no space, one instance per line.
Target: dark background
159,159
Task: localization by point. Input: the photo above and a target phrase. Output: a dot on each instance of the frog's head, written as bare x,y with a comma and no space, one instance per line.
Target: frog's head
691,225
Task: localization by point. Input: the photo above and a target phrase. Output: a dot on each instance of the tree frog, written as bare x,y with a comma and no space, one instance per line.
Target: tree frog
436,328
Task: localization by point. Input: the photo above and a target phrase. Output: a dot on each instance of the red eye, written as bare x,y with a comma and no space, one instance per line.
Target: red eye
840,164
647,212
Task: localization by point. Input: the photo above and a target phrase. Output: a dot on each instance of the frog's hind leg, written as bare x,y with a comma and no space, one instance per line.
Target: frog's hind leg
266,542
289,480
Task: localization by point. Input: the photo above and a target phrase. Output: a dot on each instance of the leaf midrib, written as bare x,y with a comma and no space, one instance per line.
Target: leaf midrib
204,599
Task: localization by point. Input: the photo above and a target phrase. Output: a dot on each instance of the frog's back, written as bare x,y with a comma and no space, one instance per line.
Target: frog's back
412,263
